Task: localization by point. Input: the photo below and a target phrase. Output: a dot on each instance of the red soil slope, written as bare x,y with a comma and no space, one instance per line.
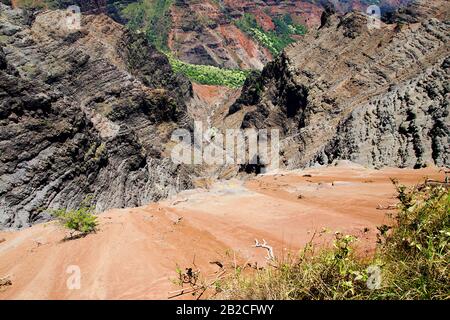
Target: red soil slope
135,253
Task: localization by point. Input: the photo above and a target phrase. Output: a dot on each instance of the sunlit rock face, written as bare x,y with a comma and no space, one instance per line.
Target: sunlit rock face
204,32
375,96
83,112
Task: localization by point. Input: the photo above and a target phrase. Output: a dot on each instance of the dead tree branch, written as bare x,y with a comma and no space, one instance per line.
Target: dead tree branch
264,245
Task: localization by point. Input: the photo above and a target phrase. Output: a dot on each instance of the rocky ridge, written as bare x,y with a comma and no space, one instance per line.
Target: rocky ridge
378,97
204,32
83,112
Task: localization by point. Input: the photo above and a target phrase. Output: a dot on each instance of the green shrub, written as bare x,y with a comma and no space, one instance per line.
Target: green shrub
416,253
412,260
328,274
81,220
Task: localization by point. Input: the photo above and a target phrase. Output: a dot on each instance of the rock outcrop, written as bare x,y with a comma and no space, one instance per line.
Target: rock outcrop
378,97
83,112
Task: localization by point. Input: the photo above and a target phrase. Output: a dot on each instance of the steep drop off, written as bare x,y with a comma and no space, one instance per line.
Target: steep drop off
83,112
90,111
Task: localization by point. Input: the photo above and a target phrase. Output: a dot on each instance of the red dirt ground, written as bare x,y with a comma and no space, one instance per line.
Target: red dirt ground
135,253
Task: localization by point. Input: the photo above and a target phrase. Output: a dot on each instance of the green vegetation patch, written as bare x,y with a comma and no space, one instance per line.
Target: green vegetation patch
275,40
151,17
82,220
209,75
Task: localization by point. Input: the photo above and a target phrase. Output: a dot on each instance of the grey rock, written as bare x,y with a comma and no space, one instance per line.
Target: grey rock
376,97
82,113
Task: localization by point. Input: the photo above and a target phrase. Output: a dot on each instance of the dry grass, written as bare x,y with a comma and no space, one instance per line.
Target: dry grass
411,262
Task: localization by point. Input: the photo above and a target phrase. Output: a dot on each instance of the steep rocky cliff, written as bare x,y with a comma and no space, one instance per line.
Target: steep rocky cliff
207,32
379,97
83,112
201,33
90,111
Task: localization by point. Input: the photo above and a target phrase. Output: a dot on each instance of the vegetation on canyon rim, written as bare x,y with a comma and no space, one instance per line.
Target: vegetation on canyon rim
81,220
413,256
152,18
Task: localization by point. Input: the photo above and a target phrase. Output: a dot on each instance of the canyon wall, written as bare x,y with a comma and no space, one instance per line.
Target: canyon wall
83,113
378,97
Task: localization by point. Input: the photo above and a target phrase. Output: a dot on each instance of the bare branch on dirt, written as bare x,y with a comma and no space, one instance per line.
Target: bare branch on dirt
264,245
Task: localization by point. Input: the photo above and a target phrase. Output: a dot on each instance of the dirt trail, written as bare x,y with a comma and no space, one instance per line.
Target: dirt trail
136,251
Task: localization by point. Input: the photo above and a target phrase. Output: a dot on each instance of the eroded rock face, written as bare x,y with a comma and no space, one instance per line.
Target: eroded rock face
407,127
83,112
204,31
377,97
418,10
